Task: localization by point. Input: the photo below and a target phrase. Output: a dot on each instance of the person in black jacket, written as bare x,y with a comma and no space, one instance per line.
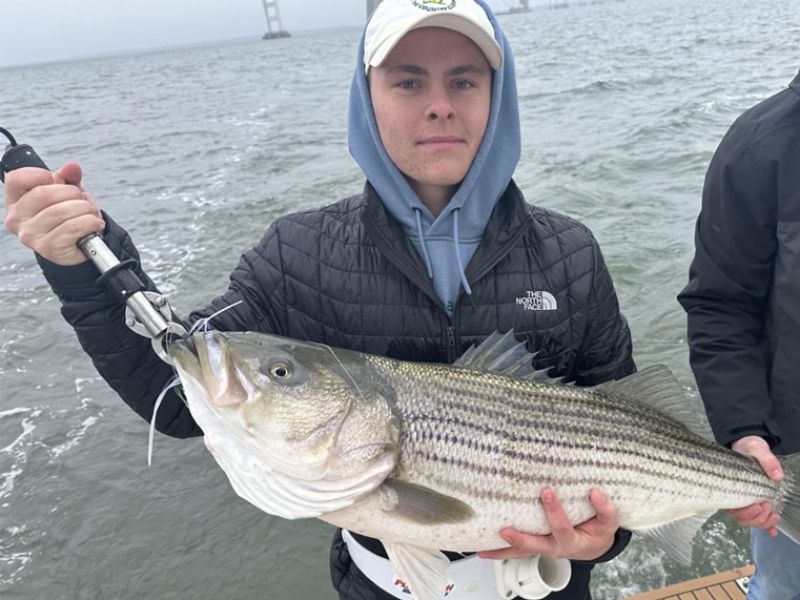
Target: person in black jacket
743,306
439,251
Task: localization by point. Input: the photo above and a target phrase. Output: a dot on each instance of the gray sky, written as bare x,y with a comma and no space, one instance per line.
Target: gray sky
50,30
45,30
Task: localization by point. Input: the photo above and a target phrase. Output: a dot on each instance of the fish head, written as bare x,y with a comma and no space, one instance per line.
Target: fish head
309,411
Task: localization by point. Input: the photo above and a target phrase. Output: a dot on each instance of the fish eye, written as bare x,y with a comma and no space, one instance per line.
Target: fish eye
280,370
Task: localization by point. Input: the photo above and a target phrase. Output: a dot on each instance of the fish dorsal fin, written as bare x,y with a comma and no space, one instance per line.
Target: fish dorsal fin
423,505
502,353
424,569
657,388
676,538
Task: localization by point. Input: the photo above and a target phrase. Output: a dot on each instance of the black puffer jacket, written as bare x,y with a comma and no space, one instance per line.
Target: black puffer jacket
348,276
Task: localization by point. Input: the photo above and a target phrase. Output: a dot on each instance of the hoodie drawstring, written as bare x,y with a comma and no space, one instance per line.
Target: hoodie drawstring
464,282
423,243
456,243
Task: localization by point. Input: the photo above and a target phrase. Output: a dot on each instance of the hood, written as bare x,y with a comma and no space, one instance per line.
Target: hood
445,243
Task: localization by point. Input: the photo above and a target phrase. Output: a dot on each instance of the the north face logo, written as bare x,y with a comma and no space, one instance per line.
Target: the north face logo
538,301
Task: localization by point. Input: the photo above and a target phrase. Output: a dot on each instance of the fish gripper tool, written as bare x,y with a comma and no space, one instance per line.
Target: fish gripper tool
147,313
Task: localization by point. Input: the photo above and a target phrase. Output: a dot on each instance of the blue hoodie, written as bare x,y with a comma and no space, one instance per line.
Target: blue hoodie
445,243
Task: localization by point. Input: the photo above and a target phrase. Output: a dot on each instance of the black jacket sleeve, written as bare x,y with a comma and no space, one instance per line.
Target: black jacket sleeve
606,352
123,358
727,293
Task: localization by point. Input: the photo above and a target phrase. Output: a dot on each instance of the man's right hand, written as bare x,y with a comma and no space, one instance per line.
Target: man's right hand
758,515
50,211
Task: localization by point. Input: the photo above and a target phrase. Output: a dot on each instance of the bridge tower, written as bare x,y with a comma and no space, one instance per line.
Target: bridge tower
274,28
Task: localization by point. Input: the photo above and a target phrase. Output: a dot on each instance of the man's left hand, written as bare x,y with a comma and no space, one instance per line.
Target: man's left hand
759,515
587,541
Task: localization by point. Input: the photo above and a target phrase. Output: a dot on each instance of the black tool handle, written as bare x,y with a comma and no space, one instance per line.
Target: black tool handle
18,156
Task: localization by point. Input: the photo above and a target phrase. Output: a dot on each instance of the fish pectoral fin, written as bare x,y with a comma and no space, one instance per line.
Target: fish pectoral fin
423,505
676,538
424,569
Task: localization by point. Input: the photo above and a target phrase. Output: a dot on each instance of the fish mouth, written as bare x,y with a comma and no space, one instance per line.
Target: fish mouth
215,368
182,350
196,356
188,343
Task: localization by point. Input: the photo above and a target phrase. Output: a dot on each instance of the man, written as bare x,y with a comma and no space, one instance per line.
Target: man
743,306
439,251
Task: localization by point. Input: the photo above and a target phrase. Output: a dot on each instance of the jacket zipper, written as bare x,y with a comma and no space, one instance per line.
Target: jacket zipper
453,333
451,344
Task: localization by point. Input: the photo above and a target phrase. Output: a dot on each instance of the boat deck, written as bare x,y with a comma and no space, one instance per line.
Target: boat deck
730,585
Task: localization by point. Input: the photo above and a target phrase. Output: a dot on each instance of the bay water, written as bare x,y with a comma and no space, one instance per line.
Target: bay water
196,150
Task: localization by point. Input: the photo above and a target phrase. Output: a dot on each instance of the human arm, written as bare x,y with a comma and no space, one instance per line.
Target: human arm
49,212
726,301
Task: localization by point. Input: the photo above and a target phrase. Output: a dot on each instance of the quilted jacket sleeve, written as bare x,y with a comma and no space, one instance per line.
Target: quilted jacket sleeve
606,352
124,359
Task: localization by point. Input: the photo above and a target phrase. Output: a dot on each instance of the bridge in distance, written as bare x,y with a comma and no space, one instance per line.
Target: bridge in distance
275,28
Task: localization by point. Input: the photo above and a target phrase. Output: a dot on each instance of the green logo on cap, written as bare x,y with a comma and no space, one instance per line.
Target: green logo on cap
434,5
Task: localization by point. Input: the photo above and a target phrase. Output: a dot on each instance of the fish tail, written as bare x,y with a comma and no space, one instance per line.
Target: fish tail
790,512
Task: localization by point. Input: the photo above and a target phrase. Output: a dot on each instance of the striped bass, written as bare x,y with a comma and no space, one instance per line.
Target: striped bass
429,457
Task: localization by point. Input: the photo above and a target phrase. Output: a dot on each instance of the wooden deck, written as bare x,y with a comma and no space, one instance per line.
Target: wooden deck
731,585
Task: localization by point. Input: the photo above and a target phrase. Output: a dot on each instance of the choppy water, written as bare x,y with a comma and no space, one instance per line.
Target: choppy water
196,151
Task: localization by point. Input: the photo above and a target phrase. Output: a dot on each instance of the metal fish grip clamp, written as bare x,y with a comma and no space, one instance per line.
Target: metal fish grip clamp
147,313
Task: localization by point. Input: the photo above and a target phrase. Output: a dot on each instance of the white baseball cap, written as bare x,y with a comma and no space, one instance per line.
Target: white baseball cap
395,18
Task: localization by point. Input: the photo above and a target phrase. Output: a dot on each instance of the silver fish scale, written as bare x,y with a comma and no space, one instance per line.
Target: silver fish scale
494,441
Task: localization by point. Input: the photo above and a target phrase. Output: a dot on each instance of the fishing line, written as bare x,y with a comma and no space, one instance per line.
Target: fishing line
346,372
174,382
204,321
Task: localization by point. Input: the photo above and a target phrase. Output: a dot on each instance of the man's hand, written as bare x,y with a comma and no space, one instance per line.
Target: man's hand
50,212
586,541
758,515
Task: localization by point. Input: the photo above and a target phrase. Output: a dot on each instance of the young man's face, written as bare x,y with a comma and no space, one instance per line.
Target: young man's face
432,97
